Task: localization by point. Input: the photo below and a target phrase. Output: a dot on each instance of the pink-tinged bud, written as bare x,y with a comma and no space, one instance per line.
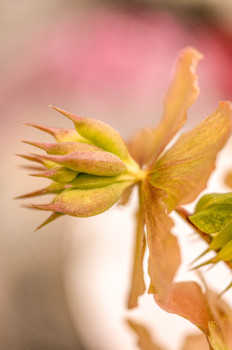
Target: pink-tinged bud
99,133
63,148
96,163
58,174
86,202
60,135
35,158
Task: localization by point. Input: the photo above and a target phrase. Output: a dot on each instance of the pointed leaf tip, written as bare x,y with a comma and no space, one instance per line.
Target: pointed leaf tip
70,116
51,218
49,207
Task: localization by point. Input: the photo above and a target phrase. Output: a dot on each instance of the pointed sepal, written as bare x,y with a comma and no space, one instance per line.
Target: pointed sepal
60,134
58,174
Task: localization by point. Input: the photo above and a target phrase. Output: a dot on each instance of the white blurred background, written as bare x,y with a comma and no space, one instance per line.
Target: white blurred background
65,286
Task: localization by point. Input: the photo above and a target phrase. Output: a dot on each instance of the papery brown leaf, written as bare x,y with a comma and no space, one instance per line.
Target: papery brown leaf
164,258
125,197
182,172
138,287
148,144
195,342
140,145
145,342
228,179
187,300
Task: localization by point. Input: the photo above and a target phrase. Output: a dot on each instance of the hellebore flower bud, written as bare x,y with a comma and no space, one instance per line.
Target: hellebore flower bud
90,166
96,163
86,202
63,148
98,133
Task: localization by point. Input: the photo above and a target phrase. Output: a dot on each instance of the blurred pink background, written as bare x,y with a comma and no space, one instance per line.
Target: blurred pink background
113,63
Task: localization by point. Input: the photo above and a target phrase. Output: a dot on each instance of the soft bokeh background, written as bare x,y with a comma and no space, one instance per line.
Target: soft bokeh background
65,287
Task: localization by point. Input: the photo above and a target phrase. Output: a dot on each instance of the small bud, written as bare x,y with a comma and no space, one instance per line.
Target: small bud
99,133
96,163
63,148
86,202
58,174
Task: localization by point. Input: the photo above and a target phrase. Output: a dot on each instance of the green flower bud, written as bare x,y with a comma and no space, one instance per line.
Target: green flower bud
96,163
86,202
90,167
63,148
99,133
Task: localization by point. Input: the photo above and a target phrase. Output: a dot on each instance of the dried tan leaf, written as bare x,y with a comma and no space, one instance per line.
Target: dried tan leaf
228,179
164,258
195,342
145,342
148,144
182,172
187,300
138,287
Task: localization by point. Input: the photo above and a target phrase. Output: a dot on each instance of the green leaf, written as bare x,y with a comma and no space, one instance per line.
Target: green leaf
213,212
222,237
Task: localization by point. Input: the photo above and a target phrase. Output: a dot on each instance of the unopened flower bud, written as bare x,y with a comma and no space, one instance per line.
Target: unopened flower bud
99,133
62,148
96,163
86,202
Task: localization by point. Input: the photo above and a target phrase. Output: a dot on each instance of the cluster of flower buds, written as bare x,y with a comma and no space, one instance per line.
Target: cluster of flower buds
90,167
